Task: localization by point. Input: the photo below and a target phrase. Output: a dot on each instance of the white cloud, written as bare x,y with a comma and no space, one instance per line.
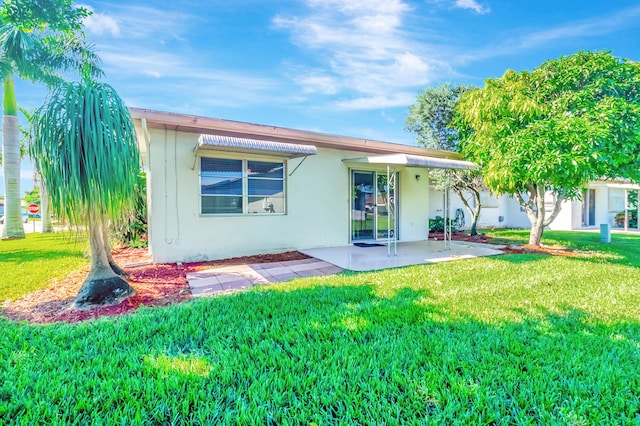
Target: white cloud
584,28
100,23
322,84
364,50
139,22
473,5
376,102
601,25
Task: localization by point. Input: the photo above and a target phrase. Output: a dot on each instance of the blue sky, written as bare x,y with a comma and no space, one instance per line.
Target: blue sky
348,67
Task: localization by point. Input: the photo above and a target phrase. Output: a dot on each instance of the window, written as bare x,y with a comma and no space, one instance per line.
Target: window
241,186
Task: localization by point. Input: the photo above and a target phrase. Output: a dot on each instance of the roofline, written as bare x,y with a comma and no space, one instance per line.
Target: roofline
198,124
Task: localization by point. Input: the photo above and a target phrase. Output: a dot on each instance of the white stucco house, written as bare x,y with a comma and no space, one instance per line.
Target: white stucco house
219,188
601,201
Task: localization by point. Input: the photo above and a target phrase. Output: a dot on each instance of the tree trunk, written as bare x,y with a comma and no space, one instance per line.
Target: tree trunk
102,286
538,223
474,212
475,215
535,236
13,227
45,212
534,208
107,247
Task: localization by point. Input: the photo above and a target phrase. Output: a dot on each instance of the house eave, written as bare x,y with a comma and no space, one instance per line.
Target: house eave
197,124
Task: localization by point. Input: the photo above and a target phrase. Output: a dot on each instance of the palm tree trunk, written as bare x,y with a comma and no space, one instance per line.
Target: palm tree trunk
102,286
13,227
107,247
45,212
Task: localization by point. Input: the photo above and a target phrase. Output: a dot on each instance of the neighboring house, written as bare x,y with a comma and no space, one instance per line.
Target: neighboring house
496,212
601,202
219,188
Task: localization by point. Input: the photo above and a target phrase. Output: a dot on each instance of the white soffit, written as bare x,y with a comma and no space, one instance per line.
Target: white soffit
415,161
254,146
629,186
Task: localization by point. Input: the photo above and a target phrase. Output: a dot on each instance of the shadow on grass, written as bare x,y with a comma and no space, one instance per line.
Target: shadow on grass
586,247
343,353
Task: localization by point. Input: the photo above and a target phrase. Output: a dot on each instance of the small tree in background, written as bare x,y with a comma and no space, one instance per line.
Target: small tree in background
430,119
569,121
84,147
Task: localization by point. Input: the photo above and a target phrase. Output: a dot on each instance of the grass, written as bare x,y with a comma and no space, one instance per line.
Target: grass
37,261
515,339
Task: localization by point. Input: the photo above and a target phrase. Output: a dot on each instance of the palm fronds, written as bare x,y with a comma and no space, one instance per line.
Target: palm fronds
84,147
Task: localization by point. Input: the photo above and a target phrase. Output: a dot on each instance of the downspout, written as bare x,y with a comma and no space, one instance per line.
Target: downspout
147,141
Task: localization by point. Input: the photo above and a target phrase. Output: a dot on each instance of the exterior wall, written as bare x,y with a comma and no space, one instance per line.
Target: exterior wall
497,212
602,207
414,204
565,221
516,217
317,214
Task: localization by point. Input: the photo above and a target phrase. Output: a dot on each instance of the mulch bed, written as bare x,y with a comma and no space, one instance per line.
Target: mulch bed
165,284
155,285
509,249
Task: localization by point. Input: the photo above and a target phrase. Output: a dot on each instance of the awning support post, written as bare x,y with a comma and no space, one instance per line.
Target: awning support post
392,239
447,220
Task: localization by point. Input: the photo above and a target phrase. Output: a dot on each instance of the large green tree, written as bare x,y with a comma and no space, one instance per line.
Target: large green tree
84,148
548,131
38,40
431,120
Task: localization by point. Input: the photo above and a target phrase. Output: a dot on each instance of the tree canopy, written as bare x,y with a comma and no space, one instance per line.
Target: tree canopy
430,116
431,120
552,129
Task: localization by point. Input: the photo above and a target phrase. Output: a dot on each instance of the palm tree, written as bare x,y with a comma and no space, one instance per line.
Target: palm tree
38,39
84,148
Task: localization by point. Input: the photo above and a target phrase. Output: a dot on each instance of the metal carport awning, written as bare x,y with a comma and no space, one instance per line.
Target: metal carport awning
410,160
414,161
254,146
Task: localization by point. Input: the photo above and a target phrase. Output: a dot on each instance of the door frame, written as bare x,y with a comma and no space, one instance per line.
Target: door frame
376,173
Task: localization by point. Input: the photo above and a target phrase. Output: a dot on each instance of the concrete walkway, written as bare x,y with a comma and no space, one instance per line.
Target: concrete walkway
238,277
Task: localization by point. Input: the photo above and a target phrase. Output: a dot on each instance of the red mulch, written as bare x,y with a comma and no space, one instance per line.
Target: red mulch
244,260
461,236
165,284
155,285
510,249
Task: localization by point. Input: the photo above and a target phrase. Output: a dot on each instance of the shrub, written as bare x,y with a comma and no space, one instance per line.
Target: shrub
633,219
134,234
437,224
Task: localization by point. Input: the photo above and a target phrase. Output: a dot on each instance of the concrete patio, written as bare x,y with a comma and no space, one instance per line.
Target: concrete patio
332,260
408,253
238,277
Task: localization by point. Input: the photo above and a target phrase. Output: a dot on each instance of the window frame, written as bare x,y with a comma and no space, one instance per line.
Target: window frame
245,185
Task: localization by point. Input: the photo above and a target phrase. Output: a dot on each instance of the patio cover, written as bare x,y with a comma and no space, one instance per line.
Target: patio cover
254,146
410,160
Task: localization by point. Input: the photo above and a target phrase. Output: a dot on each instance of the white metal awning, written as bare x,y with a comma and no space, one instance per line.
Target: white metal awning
254,146
415,161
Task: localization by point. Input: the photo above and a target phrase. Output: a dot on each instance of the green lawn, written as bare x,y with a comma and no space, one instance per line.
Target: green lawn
37,261
514,339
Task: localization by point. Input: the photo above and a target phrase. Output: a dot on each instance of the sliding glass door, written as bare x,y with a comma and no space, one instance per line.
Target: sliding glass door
362,205
370,206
